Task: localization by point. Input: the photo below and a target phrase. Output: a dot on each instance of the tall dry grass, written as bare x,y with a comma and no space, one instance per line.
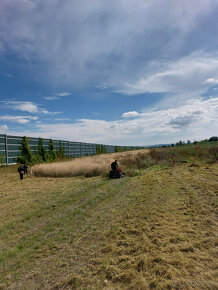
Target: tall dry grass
131,161
86,166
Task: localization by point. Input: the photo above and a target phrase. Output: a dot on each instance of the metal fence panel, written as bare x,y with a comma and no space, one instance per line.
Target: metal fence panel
10,147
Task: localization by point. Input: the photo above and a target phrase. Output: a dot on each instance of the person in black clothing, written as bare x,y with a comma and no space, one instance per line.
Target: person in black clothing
21,171
25,168
114,165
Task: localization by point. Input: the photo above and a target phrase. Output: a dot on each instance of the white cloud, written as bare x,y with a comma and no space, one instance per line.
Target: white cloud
183,77
63,94
22,106
62,119
130,114
26,107
46,112
18,119
105,42
196,119
102,86
4,129
51,98
212,81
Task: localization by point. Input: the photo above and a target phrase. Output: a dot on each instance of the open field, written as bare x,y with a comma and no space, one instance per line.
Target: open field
156,230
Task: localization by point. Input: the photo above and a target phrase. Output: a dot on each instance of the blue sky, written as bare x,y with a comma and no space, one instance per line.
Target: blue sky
114,72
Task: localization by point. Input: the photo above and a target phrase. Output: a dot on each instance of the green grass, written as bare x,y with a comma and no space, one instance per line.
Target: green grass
156,230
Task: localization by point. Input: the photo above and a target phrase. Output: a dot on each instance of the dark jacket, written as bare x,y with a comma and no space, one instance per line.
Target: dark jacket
114,165
20,169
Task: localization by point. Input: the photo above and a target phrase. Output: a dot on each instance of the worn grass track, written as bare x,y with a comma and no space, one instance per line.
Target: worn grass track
153,231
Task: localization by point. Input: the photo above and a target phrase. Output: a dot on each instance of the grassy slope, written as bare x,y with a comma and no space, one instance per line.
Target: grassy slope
156,230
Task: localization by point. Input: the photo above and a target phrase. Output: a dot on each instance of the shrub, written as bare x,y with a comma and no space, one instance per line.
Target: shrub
61,153
51,152
41,150
214,138
26,154
213,151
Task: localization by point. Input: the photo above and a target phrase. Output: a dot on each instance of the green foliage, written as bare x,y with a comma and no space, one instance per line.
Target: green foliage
180,143
26,154
117,149
41,150
100,149
103,149
61,153
51,151
213,151
214,138
2,159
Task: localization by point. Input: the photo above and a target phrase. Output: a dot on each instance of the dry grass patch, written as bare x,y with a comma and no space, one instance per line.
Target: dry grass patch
85,166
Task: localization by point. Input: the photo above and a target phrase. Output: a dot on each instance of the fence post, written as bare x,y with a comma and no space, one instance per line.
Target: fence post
6,148
68,149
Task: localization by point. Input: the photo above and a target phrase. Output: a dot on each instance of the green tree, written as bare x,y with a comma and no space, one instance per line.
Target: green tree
41,150
117,149
103,149
26,154
214,138
51,151
61,153
98,149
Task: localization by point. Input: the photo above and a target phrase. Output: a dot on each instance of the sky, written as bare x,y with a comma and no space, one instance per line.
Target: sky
116,72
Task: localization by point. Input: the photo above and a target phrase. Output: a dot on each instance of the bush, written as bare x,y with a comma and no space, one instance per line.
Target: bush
26,154
61,153
213,151
51,152
41,151
214,138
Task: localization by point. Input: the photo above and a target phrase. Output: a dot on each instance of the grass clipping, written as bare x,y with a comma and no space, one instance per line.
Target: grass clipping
85,166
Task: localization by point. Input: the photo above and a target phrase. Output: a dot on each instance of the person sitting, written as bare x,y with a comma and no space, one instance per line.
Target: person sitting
114,165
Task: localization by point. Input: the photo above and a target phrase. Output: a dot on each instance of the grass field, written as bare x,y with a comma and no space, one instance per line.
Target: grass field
156,230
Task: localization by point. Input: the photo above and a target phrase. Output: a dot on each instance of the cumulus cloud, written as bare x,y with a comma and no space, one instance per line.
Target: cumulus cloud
196,119
26,107
130,114
29,107
18,119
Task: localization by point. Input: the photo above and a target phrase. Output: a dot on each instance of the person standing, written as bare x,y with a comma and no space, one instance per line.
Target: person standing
25,168
21,171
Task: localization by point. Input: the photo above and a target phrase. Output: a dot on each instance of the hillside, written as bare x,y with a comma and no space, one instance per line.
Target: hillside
156,230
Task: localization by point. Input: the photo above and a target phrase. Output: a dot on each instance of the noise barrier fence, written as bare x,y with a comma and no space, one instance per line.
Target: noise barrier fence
10,148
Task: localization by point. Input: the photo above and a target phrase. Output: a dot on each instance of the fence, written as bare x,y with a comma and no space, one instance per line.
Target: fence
10,147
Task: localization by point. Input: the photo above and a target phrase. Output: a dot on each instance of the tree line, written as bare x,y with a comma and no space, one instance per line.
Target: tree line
42,155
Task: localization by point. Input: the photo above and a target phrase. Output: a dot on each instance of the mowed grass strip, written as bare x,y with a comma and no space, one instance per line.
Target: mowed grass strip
156,230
